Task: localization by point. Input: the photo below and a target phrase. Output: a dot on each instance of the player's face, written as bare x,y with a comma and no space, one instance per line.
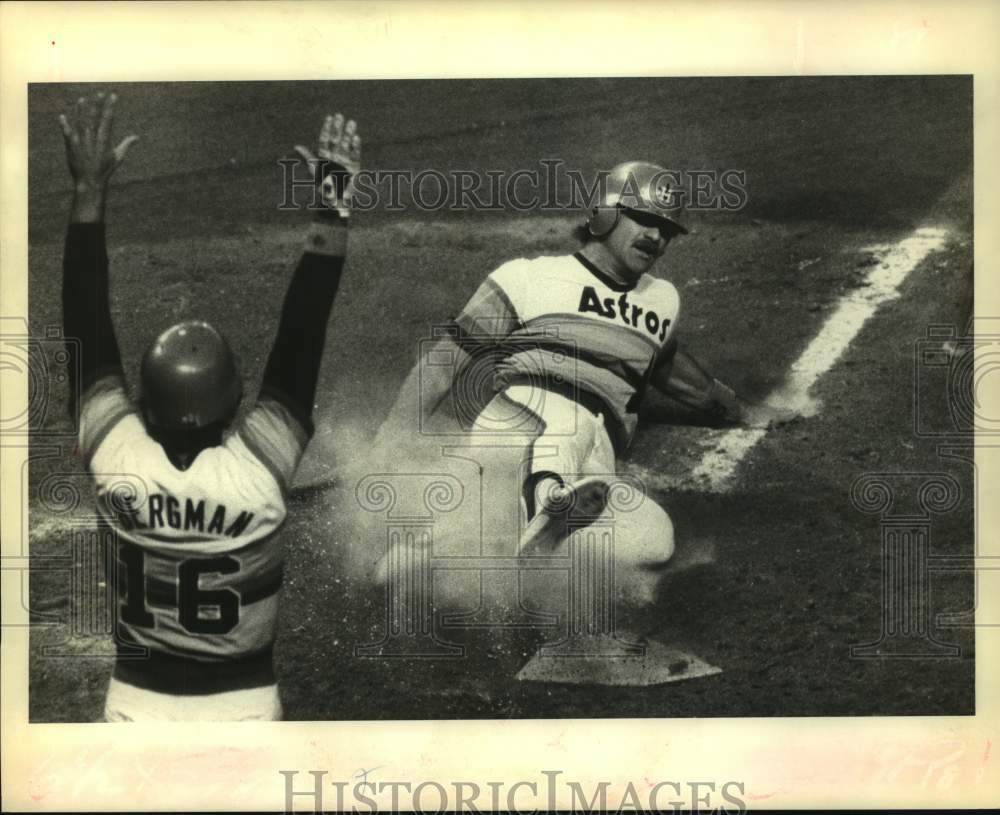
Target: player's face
636,242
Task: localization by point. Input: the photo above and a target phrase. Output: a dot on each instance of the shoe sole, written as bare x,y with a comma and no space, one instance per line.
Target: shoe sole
585,501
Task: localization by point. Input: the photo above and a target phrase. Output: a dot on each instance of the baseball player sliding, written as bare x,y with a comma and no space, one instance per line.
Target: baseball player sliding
569,345
199,553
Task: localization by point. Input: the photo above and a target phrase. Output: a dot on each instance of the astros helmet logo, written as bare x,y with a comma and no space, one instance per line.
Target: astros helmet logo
664,194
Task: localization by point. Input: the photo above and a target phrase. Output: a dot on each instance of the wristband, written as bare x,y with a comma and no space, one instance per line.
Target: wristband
327,235
336,187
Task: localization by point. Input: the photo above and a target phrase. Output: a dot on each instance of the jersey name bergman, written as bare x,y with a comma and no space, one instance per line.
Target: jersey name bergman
167,511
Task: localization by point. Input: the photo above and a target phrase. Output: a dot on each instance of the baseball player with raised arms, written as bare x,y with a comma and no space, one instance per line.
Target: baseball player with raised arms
196,503
567,347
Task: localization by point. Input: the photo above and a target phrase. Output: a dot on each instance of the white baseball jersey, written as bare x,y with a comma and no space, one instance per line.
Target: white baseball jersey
199,559
564,324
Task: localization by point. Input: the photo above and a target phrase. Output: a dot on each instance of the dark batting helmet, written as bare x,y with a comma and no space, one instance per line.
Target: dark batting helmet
636,185
190,378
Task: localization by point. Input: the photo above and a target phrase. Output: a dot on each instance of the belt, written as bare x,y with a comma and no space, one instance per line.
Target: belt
184,676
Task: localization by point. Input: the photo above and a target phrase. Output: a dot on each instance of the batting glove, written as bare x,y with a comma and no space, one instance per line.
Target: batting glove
336,162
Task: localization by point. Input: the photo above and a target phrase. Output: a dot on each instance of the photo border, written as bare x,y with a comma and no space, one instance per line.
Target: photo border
791,762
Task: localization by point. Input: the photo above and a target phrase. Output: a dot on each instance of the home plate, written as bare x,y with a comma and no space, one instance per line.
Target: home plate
657,666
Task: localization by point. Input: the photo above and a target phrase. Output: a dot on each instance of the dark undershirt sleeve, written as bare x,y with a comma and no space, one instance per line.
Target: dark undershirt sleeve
86,308
293,366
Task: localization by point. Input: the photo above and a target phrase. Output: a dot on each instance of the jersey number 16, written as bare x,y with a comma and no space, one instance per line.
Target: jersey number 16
191,600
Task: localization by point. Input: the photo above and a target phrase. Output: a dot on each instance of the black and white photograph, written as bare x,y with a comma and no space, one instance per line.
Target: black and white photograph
580,397
523,398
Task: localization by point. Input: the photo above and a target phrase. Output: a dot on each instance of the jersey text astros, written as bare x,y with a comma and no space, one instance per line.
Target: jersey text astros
559,322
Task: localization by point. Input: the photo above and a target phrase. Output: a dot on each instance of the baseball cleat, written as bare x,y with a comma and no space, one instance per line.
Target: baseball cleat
579,504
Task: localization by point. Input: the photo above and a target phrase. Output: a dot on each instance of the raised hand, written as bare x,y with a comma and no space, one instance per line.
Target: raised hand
336,162
92,159
89,152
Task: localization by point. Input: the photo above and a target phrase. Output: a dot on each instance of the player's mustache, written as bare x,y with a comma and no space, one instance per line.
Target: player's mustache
648,246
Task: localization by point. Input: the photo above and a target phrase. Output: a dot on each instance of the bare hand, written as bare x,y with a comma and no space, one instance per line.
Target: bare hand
336,162
92,160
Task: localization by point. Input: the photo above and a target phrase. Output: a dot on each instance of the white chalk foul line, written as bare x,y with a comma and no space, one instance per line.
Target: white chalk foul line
881,285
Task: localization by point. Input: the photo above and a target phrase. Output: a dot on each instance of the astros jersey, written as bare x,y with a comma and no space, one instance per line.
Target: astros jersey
562,323
199,559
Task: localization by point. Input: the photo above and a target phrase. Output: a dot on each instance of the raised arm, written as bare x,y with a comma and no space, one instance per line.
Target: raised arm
86,311
293,365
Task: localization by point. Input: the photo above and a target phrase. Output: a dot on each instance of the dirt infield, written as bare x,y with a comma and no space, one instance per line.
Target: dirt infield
837,171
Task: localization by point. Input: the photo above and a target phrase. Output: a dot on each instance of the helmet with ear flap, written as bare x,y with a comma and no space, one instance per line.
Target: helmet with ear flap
602,220
635,185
